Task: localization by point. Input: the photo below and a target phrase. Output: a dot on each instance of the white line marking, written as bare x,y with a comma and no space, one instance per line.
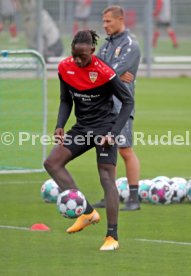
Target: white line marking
14,227
19,171
21,182
163,241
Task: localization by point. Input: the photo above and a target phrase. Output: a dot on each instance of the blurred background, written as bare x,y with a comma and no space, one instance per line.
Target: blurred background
35,24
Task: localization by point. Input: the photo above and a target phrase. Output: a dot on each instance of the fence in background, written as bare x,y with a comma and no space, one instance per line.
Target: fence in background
139,19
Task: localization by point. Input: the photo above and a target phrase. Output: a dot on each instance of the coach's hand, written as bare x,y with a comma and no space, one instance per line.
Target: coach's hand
59,136
127,77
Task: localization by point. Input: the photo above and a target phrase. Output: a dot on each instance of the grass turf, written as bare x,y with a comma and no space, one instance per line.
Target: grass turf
161,105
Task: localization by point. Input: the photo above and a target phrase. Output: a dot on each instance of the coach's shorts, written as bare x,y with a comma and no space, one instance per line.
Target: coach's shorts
78,143
127,131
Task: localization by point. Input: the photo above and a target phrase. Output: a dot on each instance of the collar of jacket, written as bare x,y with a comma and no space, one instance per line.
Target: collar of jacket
116,36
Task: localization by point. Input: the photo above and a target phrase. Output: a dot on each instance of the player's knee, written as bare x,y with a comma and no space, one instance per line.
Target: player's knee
126,152
49,164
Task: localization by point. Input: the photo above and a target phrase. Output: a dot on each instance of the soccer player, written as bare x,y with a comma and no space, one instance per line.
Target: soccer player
162,18
89,83
122,53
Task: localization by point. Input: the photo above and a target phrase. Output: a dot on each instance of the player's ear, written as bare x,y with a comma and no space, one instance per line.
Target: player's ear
92,50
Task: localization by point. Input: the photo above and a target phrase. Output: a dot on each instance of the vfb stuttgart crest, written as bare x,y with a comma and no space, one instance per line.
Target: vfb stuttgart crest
93,76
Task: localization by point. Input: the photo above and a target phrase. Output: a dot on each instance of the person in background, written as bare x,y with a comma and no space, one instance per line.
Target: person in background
7,15
81,15
122,53
52,44
50,40
162,20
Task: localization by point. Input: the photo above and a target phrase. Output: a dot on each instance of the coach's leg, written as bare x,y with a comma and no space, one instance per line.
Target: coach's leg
55,166
132,172
132,166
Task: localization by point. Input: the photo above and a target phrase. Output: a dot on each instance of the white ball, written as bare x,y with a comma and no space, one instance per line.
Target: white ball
123,188
160,192
188,194
50,191
71,203
179,186
143,190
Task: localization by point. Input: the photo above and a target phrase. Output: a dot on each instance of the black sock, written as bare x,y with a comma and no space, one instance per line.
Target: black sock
133,191
112,231
89,209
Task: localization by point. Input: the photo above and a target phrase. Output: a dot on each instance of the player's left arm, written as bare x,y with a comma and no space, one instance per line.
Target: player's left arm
122,92
65,108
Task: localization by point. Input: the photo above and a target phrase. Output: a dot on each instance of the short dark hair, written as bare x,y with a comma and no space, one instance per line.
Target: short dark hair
89,37
115,10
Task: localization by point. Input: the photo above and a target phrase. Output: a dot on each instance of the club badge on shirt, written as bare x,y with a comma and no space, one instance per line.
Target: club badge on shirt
117,51
93,76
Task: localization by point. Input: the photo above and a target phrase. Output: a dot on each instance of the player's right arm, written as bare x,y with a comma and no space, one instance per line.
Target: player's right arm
65,109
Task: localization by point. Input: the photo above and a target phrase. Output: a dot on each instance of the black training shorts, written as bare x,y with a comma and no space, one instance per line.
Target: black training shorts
78,143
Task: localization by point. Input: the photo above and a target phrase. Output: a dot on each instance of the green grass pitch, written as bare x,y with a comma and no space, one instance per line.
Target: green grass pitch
21,108
162,105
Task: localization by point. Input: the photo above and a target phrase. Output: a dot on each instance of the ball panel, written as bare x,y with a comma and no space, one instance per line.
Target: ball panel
71,204
73,194
70,213
79,210
62,208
